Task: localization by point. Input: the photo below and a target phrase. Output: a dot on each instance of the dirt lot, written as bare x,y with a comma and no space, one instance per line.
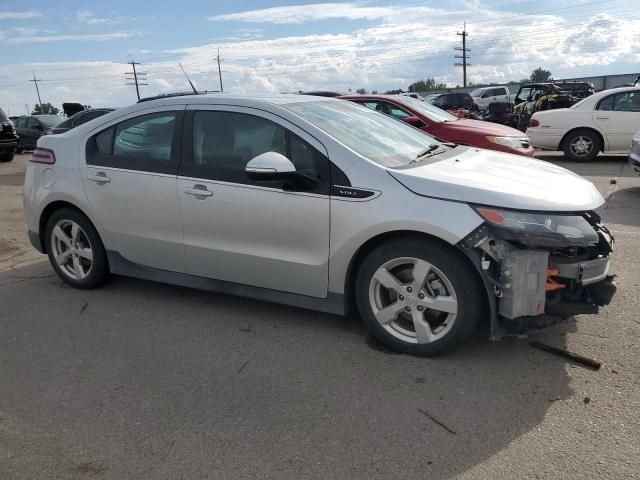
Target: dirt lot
141,380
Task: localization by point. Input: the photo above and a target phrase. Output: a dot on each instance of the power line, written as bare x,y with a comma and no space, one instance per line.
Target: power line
35,82
219,71
143,77
464,55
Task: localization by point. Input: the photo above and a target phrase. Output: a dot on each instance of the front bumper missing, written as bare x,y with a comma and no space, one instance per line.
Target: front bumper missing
521,295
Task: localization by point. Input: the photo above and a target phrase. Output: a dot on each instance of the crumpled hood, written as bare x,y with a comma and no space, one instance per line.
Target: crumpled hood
499,179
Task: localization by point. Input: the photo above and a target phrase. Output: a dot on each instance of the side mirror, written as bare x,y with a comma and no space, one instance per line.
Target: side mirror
270,166
414,121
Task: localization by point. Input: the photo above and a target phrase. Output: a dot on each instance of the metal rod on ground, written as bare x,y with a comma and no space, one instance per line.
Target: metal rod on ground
587,362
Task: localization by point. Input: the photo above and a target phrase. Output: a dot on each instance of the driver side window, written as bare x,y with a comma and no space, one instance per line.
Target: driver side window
223,143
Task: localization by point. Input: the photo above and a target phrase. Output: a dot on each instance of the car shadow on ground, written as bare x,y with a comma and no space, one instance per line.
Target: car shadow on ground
140,376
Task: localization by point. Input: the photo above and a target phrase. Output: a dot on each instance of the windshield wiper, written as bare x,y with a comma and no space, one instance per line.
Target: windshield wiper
431,149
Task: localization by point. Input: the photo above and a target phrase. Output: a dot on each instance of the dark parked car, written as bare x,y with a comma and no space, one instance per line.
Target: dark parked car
8,138
31,128
78,119
450,101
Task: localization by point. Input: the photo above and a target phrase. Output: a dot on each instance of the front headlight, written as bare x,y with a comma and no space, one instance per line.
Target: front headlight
541,229
511,142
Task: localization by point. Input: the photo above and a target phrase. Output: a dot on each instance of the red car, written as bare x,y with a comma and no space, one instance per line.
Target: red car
446,127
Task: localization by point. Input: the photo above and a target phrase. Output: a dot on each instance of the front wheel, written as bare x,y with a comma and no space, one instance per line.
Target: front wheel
582,145
418,297
6,158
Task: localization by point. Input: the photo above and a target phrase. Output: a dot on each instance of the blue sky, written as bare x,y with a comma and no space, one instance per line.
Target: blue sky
80,48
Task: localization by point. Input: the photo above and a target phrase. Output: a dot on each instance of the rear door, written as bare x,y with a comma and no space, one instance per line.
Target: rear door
265,234
130,176
618,116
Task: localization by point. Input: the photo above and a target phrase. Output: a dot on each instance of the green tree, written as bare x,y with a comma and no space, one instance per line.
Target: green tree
45,109
426,84
541,75
394,92
361,91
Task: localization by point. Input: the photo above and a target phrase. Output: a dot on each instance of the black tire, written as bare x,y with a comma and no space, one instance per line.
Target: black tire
6,158
99,269
569,146
459,273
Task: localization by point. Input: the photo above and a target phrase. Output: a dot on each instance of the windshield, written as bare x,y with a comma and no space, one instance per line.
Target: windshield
477,92
377,137
49,120
434,113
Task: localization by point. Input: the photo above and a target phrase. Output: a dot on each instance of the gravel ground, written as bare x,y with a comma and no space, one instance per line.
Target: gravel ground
146,381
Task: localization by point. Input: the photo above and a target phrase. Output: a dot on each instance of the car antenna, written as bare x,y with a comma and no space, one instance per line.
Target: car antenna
188,79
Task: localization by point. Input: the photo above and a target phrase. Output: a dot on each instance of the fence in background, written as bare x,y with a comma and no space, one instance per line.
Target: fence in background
601,82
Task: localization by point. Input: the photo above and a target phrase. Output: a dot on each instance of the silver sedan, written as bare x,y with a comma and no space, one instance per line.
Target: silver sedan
322,204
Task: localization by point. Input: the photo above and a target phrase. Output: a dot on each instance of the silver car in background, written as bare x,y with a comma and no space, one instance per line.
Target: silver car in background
322,204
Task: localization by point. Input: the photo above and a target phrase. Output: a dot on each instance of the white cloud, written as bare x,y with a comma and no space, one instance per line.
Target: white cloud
302,13
24,15
400,49
90,18
71,37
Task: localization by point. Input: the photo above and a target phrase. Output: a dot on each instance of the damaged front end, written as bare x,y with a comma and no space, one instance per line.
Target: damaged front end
540,268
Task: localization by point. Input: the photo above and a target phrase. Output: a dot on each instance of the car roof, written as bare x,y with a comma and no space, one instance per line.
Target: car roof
374,97
615,90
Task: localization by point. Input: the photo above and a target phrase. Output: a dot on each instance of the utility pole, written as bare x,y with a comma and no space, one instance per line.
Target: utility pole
464,57
35,81
137,82
219,71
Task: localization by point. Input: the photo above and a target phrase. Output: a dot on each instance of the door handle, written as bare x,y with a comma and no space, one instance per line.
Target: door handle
198,191
99,178
602,118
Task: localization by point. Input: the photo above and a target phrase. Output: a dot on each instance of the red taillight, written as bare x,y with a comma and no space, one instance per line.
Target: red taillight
43,155
534,123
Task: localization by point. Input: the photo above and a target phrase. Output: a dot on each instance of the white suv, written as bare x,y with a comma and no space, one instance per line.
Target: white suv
324,204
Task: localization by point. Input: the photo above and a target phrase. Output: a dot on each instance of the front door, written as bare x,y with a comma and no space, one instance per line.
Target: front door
618,116
130,176
265,234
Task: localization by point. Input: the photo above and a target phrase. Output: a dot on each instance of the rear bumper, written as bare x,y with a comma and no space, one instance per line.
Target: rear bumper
548,139
8,146
634,160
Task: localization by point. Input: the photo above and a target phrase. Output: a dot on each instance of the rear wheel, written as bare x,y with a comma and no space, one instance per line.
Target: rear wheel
418,297
75,249
582,145
6,158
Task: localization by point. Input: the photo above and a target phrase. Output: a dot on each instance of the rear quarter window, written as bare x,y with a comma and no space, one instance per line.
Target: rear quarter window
144,143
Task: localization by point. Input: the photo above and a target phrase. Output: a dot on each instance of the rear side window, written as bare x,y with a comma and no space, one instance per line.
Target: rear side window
143,143
621,102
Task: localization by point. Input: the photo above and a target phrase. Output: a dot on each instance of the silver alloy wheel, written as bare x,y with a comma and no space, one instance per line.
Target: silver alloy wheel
413,300
71,249
581,146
